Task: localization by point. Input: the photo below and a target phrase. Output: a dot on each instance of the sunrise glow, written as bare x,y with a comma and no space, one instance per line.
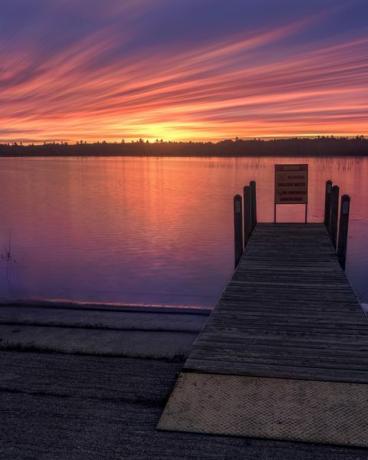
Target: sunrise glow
110,76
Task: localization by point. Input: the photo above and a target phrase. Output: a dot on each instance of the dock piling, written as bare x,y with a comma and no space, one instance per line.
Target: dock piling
238,234
343,230
327,203
253,191
247,198
334,212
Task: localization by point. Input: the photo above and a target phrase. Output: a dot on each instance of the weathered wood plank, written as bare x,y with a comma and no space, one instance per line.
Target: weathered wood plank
288,312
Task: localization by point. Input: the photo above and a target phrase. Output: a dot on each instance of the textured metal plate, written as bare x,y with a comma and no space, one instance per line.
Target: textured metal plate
298,410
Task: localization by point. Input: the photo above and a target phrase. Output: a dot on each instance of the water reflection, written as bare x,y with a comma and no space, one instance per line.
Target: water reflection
148,230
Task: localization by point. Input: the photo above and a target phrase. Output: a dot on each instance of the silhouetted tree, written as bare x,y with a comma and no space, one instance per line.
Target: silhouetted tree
319,146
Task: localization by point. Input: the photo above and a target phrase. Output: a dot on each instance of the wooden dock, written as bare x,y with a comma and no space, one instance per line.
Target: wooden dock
285,350
288,311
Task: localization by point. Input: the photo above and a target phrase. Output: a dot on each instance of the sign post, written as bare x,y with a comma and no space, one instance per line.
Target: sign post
291,186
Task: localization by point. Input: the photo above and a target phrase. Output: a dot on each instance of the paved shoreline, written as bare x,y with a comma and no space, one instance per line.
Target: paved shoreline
140,332
89,404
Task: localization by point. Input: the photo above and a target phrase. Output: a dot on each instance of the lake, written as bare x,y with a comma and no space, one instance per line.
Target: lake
156,231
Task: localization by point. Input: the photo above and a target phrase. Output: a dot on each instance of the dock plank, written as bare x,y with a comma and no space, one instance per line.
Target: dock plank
288,312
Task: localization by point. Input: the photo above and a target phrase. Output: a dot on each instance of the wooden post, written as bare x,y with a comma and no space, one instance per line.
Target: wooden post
253,190
343,230
247,213
334,211
327,203
238,234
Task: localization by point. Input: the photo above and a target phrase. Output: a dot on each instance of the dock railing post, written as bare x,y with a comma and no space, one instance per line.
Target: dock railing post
247,217
238,234
334,211
343,230
253,191
327,202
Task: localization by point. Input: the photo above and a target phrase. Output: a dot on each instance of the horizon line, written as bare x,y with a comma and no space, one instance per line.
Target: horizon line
153,141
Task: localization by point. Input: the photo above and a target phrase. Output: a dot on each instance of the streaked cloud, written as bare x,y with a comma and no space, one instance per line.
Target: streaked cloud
117,76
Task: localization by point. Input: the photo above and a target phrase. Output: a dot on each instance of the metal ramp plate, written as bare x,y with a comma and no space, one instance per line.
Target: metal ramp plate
284,409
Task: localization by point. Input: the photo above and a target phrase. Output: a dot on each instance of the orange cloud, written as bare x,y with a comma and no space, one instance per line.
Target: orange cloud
249,86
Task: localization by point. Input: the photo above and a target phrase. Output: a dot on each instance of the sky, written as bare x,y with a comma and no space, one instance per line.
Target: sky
91,70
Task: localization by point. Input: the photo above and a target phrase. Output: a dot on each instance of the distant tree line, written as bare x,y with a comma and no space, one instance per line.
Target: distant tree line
319,146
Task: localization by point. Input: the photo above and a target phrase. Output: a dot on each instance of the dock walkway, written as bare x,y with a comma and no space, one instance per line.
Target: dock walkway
288,311
285,352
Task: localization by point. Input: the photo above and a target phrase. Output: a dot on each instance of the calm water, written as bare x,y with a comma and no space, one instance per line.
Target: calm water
148,230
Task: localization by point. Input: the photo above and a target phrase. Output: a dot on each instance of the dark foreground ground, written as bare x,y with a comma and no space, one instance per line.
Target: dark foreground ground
60,406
